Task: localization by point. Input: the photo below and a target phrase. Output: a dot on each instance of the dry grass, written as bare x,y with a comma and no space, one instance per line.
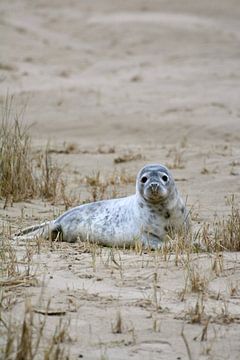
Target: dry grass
227,231
16,263
177,159
22,176
16,170
127,157
197,313
96,186
70,148
106,149
100,187
49,177
117,327
198,282
25,339
222,234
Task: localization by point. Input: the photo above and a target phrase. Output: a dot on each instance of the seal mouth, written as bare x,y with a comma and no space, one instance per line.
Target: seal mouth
155,192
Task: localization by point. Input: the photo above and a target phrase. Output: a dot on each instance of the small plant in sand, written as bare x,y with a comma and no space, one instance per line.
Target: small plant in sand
218,263
227,231
223,234
155,323
9,264
195,278
176,156
127,157
16,265
67,148
26,339
21,175
96,186
16,171
186,344
179,243
197,313
69,198
100,187
234,290
50,184
156,300
118,327
198,281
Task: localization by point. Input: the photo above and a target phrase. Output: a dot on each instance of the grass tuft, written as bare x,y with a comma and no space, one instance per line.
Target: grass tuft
227,231
16,171
49,180
23,176
26,340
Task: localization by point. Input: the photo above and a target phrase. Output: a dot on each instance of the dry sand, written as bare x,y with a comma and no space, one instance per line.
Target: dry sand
156,78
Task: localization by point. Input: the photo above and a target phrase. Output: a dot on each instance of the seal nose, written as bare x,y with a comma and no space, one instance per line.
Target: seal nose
154,186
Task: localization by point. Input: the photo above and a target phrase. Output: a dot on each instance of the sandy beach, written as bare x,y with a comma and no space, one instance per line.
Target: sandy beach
149,82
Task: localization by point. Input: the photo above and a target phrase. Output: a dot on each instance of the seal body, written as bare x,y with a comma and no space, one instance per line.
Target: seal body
154,210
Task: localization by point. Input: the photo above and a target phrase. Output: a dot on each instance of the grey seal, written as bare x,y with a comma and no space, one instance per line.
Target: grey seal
147,216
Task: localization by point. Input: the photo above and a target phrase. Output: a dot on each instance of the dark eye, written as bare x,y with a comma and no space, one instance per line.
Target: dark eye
144,179
165,178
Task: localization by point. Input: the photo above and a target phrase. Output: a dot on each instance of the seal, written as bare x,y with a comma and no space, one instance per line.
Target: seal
147,216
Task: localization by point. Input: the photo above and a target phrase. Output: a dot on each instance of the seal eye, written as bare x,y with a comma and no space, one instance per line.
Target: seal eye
144,179
165,178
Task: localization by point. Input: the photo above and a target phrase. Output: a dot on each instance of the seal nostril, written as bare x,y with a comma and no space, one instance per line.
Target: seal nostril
154,186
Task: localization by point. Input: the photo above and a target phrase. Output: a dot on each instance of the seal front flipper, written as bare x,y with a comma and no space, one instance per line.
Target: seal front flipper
151,241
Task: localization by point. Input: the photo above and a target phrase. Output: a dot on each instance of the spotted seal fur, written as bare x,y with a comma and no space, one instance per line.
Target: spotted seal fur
147,216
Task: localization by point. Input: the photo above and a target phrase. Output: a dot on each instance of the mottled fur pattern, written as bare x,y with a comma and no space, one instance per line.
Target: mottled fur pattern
146,216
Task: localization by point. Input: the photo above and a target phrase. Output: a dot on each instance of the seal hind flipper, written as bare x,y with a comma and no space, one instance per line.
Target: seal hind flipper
30,229
34,231
56,233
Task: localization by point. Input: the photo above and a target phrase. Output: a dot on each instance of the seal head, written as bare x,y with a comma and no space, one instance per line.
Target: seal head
155,184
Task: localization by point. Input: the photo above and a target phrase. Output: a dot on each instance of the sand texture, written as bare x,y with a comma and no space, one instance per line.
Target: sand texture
122,84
